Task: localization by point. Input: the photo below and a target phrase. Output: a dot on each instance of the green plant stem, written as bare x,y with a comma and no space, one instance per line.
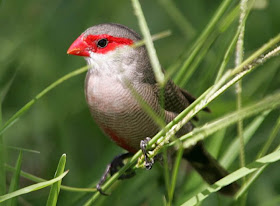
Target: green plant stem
201,39
231,152
38,180
178,18
234,176
114,178
227,55
55,188
238,60
155,37
27,106
253,59
270,139
2,158
240,124
31,188
15,181
166,170
20,149
149,42
198,134
224,25
175,173
264,150
192,67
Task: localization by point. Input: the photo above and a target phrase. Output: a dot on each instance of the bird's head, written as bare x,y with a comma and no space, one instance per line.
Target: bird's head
107,48
102,39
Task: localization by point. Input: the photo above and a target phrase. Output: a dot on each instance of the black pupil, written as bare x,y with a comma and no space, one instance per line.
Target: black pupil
102,43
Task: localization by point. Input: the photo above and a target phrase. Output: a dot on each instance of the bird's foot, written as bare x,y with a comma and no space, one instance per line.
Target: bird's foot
114,167
148,161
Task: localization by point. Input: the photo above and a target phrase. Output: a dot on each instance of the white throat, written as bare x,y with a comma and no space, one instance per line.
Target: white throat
120,63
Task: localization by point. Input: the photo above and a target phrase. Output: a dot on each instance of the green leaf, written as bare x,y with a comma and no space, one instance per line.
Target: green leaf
54,192
232,152
15,180
20,149
270,102
268,143
242,172
31,188
215,143
4,88
178,18
39,179
175,173
201,39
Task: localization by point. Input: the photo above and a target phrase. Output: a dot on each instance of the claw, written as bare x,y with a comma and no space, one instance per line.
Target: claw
148,161
112,168
98,188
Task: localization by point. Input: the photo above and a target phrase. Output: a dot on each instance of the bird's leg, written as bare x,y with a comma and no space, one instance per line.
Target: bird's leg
114,167
148,161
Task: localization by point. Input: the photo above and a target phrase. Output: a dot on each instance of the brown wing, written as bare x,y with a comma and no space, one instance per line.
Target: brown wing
177,99
191,98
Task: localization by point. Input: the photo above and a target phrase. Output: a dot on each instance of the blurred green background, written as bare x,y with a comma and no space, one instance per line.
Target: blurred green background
34,38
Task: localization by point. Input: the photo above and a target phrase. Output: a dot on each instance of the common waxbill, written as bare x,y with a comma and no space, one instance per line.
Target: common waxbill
116,71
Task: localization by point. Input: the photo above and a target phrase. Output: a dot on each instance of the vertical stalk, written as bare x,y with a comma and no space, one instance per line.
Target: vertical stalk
175,173
2,159
263,152
238,86
178,18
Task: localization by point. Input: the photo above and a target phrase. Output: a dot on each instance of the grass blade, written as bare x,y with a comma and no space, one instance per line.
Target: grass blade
2,159
178,18
269,102
4,90
15,181
262,152
215,143
232,152
175,173
238,174
20,149
149,42
39,179
201,39
55,188
238,86
31,188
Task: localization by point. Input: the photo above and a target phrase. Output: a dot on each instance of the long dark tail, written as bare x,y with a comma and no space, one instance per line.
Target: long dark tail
208,167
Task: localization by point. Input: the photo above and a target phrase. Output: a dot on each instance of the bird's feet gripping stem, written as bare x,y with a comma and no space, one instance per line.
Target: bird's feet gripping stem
148,161
114,167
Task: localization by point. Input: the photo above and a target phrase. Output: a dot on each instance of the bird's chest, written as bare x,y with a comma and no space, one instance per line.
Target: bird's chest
117,112
107,96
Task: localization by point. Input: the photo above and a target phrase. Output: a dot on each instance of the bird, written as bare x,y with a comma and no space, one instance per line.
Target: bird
118,71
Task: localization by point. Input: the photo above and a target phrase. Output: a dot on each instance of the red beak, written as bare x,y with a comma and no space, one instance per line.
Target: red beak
79,47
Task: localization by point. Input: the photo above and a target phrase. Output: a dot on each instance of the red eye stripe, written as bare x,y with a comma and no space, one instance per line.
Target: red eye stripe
113,42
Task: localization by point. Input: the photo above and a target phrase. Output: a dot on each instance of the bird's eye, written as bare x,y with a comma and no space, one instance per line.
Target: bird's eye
102,43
